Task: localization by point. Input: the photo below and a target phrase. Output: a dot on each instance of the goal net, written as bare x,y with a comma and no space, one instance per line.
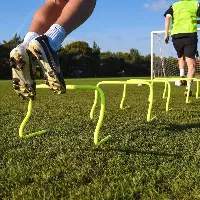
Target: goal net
164,60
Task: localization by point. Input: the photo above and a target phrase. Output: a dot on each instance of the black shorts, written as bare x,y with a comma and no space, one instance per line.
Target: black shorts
185,46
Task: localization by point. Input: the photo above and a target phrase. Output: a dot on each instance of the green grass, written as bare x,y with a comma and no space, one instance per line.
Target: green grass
156,160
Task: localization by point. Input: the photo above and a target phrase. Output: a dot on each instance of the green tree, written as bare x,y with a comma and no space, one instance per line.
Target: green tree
4,62
80,59
110,64
135,60
5,48
16,40
95,60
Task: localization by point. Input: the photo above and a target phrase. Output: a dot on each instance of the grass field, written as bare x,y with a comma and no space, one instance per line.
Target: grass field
143,160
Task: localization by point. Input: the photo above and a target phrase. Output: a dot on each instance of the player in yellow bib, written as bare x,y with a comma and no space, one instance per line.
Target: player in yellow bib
183,16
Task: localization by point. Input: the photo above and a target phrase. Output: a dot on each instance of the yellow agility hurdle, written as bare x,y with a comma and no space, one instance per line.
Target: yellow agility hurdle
167,89
186,79
135,81
72,87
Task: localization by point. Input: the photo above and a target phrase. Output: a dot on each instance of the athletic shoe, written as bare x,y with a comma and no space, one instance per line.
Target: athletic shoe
186,91
50,62
23,66
183,82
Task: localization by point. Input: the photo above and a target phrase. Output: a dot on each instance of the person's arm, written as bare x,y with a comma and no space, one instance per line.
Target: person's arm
198,13
167,23
168,14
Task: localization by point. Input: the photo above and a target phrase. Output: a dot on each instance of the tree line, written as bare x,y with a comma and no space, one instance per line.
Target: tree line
79,60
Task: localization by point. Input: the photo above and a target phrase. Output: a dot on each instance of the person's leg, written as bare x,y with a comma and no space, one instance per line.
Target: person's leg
190,52
43,19
69,14
56,19
74,13
23,62
46,15
178,45
191,63
181,64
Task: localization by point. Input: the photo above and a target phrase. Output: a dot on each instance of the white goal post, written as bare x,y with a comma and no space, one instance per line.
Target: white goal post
164,60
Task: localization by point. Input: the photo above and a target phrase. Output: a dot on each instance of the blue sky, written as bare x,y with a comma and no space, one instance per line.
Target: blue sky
115,25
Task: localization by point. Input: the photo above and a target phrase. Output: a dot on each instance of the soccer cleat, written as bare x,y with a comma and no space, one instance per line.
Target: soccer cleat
186,91
23,66
183,82
50,63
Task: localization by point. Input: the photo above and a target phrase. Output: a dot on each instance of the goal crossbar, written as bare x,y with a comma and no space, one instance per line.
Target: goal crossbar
153,33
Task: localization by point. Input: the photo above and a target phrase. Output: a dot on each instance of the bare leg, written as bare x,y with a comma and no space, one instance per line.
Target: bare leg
54,21
191,63
69,14
46,15
75,13
181,63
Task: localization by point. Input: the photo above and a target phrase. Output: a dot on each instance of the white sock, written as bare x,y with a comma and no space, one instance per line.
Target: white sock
56,35
29,36
182,72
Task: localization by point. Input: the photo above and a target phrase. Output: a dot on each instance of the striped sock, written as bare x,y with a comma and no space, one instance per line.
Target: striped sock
29,36
56,35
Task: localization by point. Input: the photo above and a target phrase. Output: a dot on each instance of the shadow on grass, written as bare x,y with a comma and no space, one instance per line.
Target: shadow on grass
130,151
155,153
176,127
